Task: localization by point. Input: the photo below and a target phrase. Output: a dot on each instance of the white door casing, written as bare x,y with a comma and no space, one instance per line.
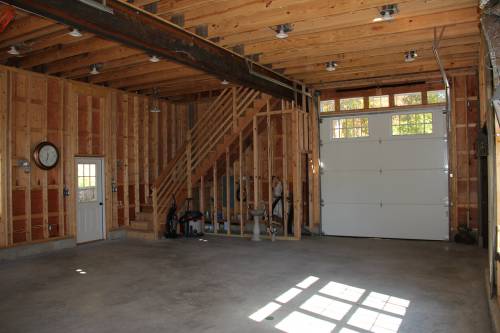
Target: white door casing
90,199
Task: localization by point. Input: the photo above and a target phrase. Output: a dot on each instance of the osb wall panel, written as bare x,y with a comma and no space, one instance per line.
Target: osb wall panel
81,120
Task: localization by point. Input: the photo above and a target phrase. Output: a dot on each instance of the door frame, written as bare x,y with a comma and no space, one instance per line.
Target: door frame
79,159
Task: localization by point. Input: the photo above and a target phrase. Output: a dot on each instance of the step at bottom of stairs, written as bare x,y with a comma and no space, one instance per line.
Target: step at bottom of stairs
140,234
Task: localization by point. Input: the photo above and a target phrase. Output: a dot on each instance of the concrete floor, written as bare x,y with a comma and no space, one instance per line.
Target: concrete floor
215,285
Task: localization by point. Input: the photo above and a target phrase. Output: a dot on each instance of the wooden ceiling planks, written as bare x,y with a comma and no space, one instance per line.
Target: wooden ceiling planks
340,30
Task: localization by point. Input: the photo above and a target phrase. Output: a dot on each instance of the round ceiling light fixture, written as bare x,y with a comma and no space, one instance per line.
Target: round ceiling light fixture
386,13
331,66
281,32
410,56
154,58
94,70
224,82
13,50
75,33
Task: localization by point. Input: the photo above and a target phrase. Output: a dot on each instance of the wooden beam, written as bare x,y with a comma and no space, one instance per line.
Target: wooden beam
139,29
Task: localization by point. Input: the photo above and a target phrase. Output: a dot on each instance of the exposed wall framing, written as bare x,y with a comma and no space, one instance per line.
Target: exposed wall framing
81,120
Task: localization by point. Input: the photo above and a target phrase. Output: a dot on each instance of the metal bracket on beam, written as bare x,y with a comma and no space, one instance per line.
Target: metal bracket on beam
177,19
99,5
240,49
201,30
152,7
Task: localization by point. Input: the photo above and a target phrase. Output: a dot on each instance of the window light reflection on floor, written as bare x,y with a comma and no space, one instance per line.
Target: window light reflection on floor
335,306
307,282
387,303
298,322
343,291
326,307
288,295
375,322
264,312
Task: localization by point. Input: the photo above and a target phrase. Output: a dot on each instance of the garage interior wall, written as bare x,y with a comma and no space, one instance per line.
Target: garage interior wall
464,122
81,120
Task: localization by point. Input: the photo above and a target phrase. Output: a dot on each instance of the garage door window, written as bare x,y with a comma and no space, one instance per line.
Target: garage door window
328,106
408,99
355,103
349,128
412,124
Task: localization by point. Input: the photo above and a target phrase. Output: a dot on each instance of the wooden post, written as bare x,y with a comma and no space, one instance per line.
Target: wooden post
297,174
137,202
126,105
228,194
4,164
285,168
145,148
202,202
189,164
256,163
315,186
156,221
269,164
215,222
241,158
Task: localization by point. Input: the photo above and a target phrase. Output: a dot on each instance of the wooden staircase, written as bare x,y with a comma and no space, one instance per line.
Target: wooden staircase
218,128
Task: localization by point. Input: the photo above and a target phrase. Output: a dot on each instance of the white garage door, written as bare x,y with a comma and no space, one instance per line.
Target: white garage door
380,181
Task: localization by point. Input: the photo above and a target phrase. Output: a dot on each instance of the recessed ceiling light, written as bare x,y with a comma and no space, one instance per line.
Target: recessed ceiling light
410,56
155,109
224,82
386,13
331,66
154,58
75,33
13,50
281,34
94,70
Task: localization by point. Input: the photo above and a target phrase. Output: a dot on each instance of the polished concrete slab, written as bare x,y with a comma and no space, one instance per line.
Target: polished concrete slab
221,284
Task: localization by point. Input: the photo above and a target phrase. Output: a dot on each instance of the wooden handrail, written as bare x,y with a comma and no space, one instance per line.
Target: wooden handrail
220,119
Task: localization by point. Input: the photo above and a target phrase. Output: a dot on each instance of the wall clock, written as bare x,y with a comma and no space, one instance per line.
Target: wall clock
46,155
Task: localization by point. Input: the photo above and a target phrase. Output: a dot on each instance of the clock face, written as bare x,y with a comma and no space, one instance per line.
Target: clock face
46,155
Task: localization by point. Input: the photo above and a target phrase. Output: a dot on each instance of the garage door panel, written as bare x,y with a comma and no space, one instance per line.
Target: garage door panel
399,221
350,154
396,186
386,186
416,154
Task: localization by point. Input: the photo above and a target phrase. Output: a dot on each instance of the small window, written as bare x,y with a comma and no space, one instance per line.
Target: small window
436,96
349,128
378,101
327,106
87,188
408,99
355,103
412,124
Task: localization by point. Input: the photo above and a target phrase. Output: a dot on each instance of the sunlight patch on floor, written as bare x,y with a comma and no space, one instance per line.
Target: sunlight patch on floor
345,308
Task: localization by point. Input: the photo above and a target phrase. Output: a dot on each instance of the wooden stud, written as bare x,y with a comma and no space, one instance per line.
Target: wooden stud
228,192
202,202
269,165
216,198
240,174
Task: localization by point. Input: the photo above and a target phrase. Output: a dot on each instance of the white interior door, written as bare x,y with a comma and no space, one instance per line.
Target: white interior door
386,185
90,203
